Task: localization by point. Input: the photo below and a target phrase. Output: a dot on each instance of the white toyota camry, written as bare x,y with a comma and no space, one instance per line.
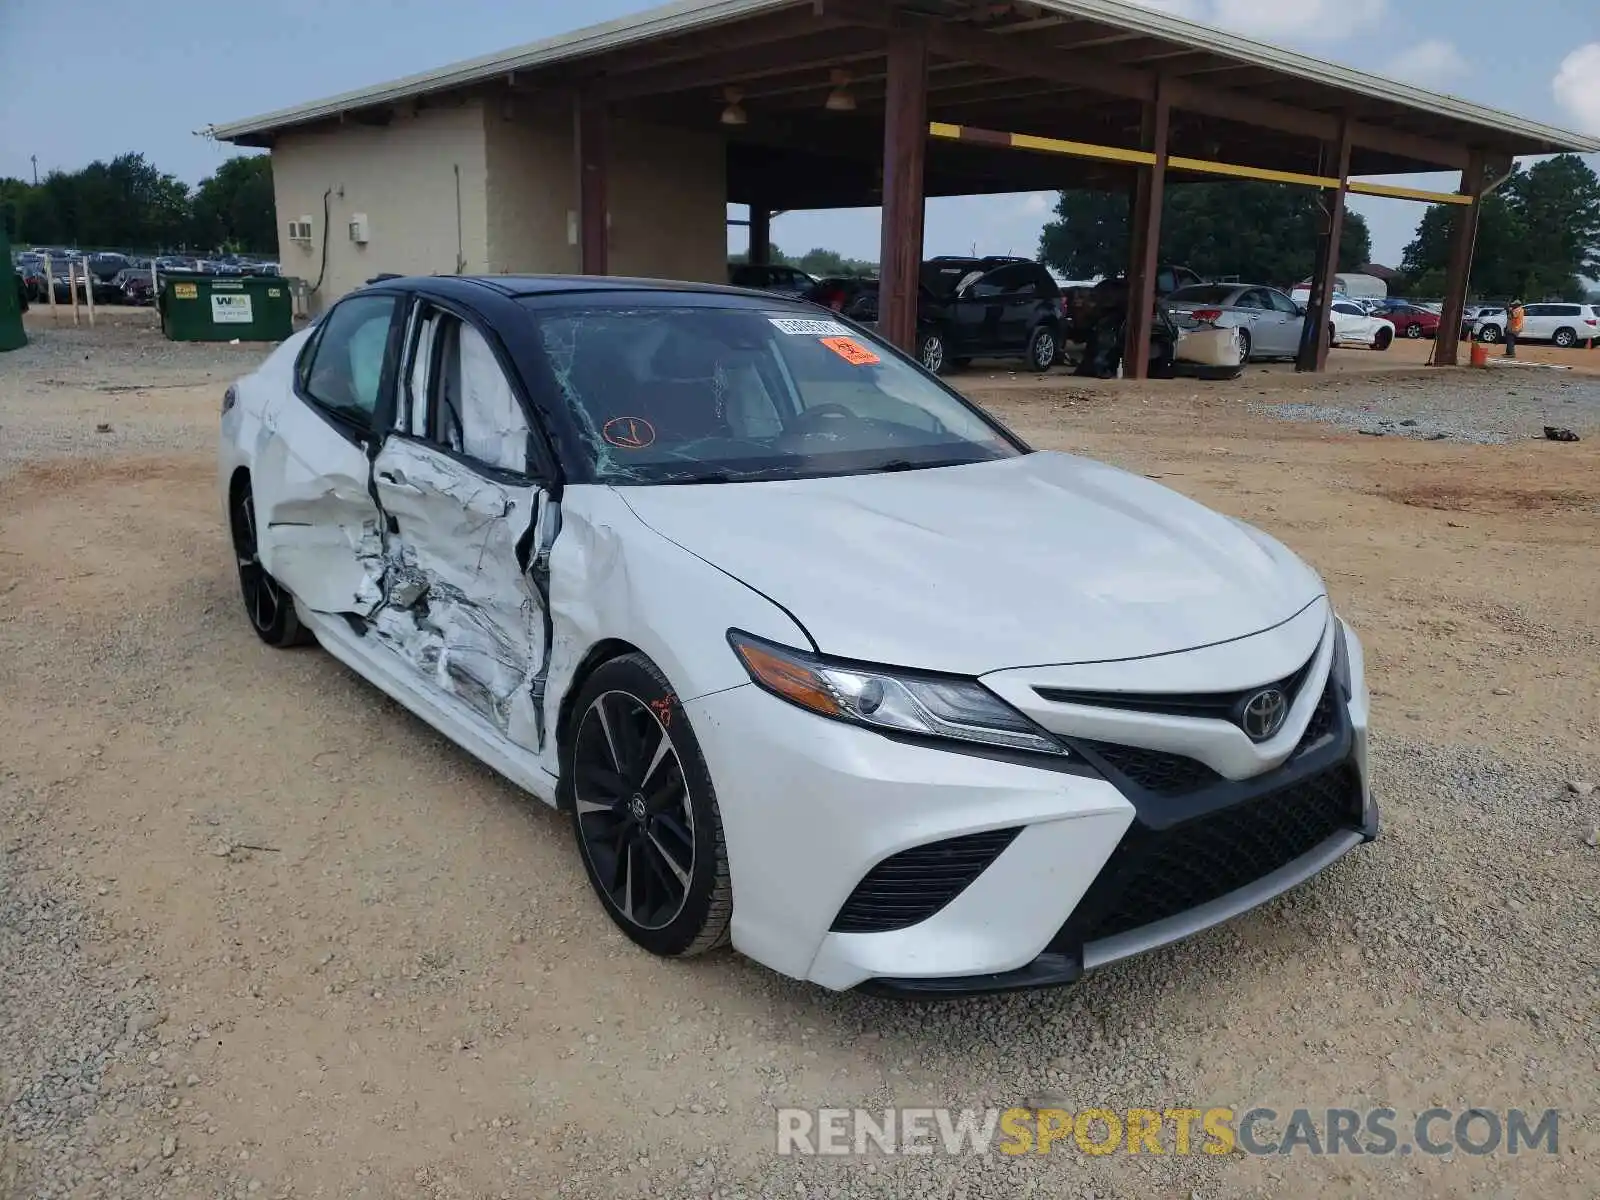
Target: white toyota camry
820,657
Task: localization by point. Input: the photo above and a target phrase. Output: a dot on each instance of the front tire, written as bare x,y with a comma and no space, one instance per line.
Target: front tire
267,603
1564,338
1414,330
1383,339
931,353
1043,349
645,813
1489,333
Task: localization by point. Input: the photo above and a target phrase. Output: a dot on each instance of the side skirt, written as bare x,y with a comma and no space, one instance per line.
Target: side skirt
396,679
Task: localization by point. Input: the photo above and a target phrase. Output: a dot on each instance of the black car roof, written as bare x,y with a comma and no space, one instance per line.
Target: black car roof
547,285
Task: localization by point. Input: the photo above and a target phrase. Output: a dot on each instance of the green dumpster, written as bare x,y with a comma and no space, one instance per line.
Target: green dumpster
220,308
11,300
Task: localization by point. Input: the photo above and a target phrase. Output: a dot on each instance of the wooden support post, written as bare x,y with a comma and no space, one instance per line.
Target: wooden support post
1144,240
593,211
760,233
1459,272
1313,354
50,288
88,291
72,287
905,140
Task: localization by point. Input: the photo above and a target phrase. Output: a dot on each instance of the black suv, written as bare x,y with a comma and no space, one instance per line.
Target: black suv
981,308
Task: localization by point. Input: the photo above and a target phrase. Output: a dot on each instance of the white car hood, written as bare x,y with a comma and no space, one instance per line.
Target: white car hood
1042,559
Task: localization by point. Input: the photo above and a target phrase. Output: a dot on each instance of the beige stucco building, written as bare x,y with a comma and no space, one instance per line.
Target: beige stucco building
467,185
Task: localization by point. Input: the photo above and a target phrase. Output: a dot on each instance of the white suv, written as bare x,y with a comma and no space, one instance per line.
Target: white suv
1563,324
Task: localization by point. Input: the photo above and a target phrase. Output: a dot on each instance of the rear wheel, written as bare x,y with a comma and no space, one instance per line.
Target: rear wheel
1244,346
644,811
1564,337
931,353
1414,330
268,604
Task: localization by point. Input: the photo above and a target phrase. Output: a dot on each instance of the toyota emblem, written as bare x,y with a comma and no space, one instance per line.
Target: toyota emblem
1263,714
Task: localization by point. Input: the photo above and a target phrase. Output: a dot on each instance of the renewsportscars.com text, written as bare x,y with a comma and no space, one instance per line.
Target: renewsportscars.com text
1180,1131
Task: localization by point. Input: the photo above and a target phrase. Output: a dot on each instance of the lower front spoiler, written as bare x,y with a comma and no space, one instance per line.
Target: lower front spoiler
1053,969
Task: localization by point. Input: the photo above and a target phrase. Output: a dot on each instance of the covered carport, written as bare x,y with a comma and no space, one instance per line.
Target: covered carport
849,103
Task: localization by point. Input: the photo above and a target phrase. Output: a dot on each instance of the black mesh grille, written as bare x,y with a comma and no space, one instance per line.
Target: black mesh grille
1156,770
1220,706
1176,775
1157,874
913,885
1324,720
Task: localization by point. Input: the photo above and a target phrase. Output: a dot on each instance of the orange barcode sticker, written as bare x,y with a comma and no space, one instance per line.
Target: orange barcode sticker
852,351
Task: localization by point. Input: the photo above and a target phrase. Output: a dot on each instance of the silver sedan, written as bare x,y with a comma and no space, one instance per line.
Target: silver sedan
1269,323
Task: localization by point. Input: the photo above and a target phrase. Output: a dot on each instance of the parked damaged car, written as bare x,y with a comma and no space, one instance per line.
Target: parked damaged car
817,655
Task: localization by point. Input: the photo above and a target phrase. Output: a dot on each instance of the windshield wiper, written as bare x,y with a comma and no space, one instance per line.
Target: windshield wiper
704,477
906,464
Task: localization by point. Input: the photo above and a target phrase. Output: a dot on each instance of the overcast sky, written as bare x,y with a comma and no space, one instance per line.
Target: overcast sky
86,79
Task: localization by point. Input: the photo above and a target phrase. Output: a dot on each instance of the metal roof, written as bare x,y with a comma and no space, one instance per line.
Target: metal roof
1512,133
669,19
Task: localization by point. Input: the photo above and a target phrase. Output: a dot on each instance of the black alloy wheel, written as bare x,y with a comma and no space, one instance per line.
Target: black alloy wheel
1043,349
645,815
269,606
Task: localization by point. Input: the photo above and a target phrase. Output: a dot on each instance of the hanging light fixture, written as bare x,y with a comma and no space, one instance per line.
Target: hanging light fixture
733,112
840,99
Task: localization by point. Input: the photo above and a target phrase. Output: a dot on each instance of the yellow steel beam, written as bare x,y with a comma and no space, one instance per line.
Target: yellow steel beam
1405,193
1028,141
1240,172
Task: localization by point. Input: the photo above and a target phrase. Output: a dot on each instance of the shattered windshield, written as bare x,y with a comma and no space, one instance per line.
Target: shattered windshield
716,395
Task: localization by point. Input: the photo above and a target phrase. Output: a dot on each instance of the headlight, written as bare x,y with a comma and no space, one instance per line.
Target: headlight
957,709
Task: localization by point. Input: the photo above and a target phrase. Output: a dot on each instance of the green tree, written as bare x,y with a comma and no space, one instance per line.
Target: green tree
1536,235
820,262
1264,232
13,193
234,208
1089,236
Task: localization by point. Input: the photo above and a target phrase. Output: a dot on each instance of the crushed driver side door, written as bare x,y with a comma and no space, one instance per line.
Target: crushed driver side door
317,526
467,528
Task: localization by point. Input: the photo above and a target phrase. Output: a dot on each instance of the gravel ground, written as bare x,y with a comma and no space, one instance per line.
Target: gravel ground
263,934
116,375
1484,407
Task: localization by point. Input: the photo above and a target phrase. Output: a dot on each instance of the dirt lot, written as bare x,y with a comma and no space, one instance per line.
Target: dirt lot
262,933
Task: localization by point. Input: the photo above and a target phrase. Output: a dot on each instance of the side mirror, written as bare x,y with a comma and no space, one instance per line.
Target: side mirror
1301,309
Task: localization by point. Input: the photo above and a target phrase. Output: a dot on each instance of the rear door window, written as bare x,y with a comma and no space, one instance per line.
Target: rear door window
459,397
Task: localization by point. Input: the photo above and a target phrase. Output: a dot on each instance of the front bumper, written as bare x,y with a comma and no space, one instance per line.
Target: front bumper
812,808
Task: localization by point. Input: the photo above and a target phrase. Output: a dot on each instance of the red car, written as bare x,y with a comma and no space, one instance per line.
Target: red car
1412,322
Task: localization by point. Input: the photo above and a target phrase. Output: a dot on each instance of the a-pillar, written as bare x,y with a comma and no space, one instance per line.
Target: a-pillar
1314,339
1459,272
905,140
593,211
760,233
1144,242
